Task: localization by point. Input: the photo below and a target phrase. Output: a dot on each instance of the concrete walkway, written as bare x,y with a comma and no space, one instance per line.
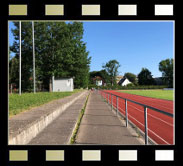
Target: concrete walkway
101,126
60,130
26,125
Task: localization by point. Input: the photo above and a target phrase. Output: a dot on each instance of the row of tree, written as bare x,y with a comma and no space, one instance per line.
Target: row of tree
145,77
59,51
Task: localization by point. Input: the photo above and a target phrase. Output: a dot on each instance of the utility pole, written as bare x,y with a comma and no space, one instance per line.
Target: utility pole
20,42
34,79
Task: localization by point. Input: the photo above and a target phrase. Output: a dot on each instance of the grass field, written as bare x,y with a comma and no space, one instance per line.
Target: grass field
19,103
160,94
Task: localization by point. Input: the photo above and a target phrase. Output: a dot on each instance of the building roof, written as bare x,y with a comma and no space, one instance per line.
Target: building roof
122,80
63,78
97,78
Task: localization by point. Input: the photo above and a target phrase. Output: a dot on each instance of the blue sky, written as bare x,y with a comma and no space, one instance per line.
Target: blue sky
133,44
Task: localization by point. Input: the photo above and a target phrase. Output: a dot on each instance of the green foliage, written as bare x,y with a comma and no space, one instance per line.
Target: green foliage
131,77
26,56
117,87
130,85
14,66
59,51
111,68
90,86
102,73
145,77
166,67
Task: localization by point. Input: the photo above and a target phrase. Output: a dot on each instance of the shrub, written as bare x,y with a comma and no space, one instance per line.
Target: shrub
90,86
130,85
133,87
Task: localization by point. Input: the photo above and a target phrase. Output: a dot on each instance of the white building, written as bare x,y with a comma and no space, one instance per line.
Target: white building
99,82
124,81
62,84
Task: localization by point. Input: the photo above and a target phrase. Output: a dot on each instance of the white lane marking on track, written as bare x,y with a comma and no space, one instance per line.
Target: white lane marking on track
158,136
152,104
147,100
152,115
148,128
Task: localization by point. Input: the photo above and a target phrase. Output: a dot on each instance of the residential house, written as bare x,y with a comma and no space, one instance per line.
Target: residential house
124,81
99,81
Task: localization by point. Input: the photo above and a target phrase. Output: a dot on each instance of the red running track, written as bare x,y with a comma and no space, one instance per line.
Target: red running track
160,126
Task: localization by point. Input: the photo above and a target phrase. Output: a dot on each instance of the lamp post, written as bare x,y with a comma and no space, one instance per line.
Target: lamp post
20,57
33,47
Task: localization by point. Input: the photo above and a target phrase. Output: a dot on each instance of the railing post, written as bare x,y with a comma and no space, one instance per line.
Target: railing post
146,128
111,103
126,111
116,106
108,98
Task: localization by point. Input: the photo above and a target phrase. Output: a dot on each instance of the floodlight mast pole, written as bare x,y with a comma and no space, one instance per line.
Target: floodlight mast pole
20,42
34,75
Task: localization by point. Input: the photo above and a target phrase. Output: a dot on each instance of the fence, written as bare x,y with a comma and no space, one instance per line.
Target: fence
108,96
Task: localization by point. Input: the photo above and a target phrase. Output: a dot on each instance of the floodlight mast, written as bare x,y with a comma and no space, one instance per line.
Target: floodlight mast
20,42
34,75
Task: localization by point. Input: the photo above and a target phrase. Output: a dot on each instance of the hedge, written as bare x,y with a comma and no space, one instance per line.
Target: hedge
128,87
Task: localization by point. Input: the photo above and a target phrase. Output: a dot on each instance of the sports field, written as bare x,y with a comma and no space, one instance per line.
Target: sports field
19,103
160,94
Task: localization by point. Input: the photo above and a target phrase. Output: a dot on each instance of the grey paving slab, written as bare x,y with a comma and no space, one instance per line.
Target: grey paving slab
60,130
101,126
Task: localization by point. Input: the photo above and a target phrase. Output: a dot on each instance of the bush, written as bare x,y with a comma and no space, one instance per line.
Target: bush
90,86
130,85
133,87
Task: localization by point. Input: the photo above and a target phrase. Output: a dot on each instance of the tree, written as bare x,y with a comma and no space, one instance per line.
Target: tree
27,60
102,73
145,77
80,60
105,76
13,71
166,67
131,77
111,68
59,51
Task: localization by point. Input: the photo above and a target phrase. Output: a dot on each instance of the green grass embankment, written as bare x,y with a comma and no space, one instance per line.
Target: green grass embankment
19,103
